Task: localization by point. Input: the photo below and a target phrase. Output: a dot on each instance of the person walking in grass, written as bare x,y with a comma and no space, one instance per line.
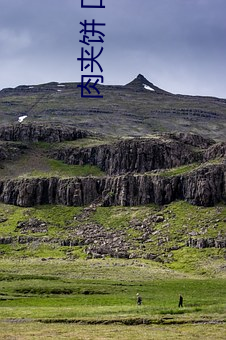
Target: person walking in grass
139,299
180,301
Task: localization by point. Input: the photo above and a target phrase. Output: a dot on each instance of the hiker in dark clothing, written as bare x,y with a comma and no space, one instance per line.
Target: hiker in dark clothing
180,301
139,299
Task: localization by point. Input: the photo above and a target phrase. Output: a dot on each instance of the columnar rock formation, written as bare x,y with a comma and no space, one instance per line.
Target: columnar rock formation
133,170
131,155
37,132
205,186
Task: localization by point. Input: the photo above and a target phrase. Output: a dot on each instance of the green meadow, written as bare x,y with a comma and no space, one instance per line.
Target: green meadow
50,291
46,297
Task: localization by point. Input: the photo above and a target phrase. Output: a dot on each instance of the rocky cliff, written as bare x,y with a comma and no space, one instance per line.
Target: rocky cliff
37,132
133,167
191,139
11,151
132,155
205,186
215,151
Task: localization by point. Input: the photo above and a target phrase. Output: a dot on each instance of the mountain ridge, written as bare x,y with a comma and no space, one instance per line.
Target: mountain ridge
138,108
136,83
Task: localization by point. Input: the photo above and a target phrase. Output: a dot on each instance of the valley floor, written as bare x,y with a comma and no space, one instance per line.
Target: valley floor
96,299
36,331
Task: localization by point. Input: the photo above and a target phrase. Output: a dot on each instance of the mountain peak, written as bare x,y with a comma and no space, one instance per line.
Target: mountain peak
141,77
140,83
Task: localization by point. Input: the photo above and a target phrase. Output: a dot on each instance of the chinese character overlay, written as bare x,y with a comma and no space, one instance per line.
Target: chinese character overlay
87,85
92,35
92,4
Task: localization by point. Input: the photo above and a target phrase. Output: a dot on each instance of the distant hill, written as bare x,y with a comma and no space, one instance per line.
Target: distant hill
138,108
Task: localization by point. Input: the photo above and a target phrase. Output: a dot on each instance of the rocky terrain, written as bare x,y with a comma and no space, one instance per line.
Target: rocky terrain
35,133
205,186
151,236
134,168
149,149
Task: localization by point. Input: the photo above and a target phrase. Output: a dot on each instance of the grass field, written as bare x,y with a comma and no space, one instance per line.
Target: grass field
96,299
46,293
36,331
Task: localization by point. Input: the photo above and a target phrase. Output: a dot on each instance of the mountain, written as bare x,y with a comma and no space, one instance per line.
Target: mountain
138,173
140,83
138,108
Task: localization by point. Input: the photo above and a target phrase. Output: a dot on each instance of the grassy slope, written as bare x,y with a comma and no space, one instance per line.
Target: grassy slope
181,219
47,281
121,112
35,162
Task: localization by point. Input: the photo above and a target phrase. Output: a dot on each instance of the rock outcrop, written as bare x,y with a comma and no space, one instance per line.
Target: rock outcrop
191,139
132,166
37,132
138,85
215,151
11,151
137,155
205,186
218,242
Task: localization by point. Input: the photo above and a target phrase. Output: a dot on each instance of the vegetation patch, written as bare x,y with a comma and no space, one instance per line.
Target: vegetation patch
180,170
41,291
160,233
37,163
60,169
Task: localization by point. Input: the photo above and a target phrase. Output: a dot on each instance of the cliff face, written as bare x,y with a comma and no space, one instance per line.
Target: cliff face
204,187
215,151
11,151
131,155
125,163
35,133
191,139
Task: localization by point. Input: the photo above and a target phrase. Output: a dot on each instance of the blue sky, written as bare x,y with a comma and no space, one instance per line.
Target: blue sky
179,45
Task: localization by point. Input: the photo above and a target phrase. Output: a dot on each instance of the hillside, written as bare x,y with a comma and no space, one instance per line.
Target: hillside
102,199
83,193
138,108
67,156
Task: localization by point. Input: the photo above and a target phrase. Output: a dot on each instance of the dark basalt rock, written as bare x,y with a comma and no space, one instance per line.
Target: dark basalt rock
37,132
201,243
126,163
11,150
138,85
215,151
205,186
131,155
191,139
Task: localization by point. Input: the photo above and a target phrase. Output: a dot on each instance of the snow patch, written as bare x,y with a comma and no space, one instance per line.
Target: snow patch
59,90
31,87
61,85
21,118
148,87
